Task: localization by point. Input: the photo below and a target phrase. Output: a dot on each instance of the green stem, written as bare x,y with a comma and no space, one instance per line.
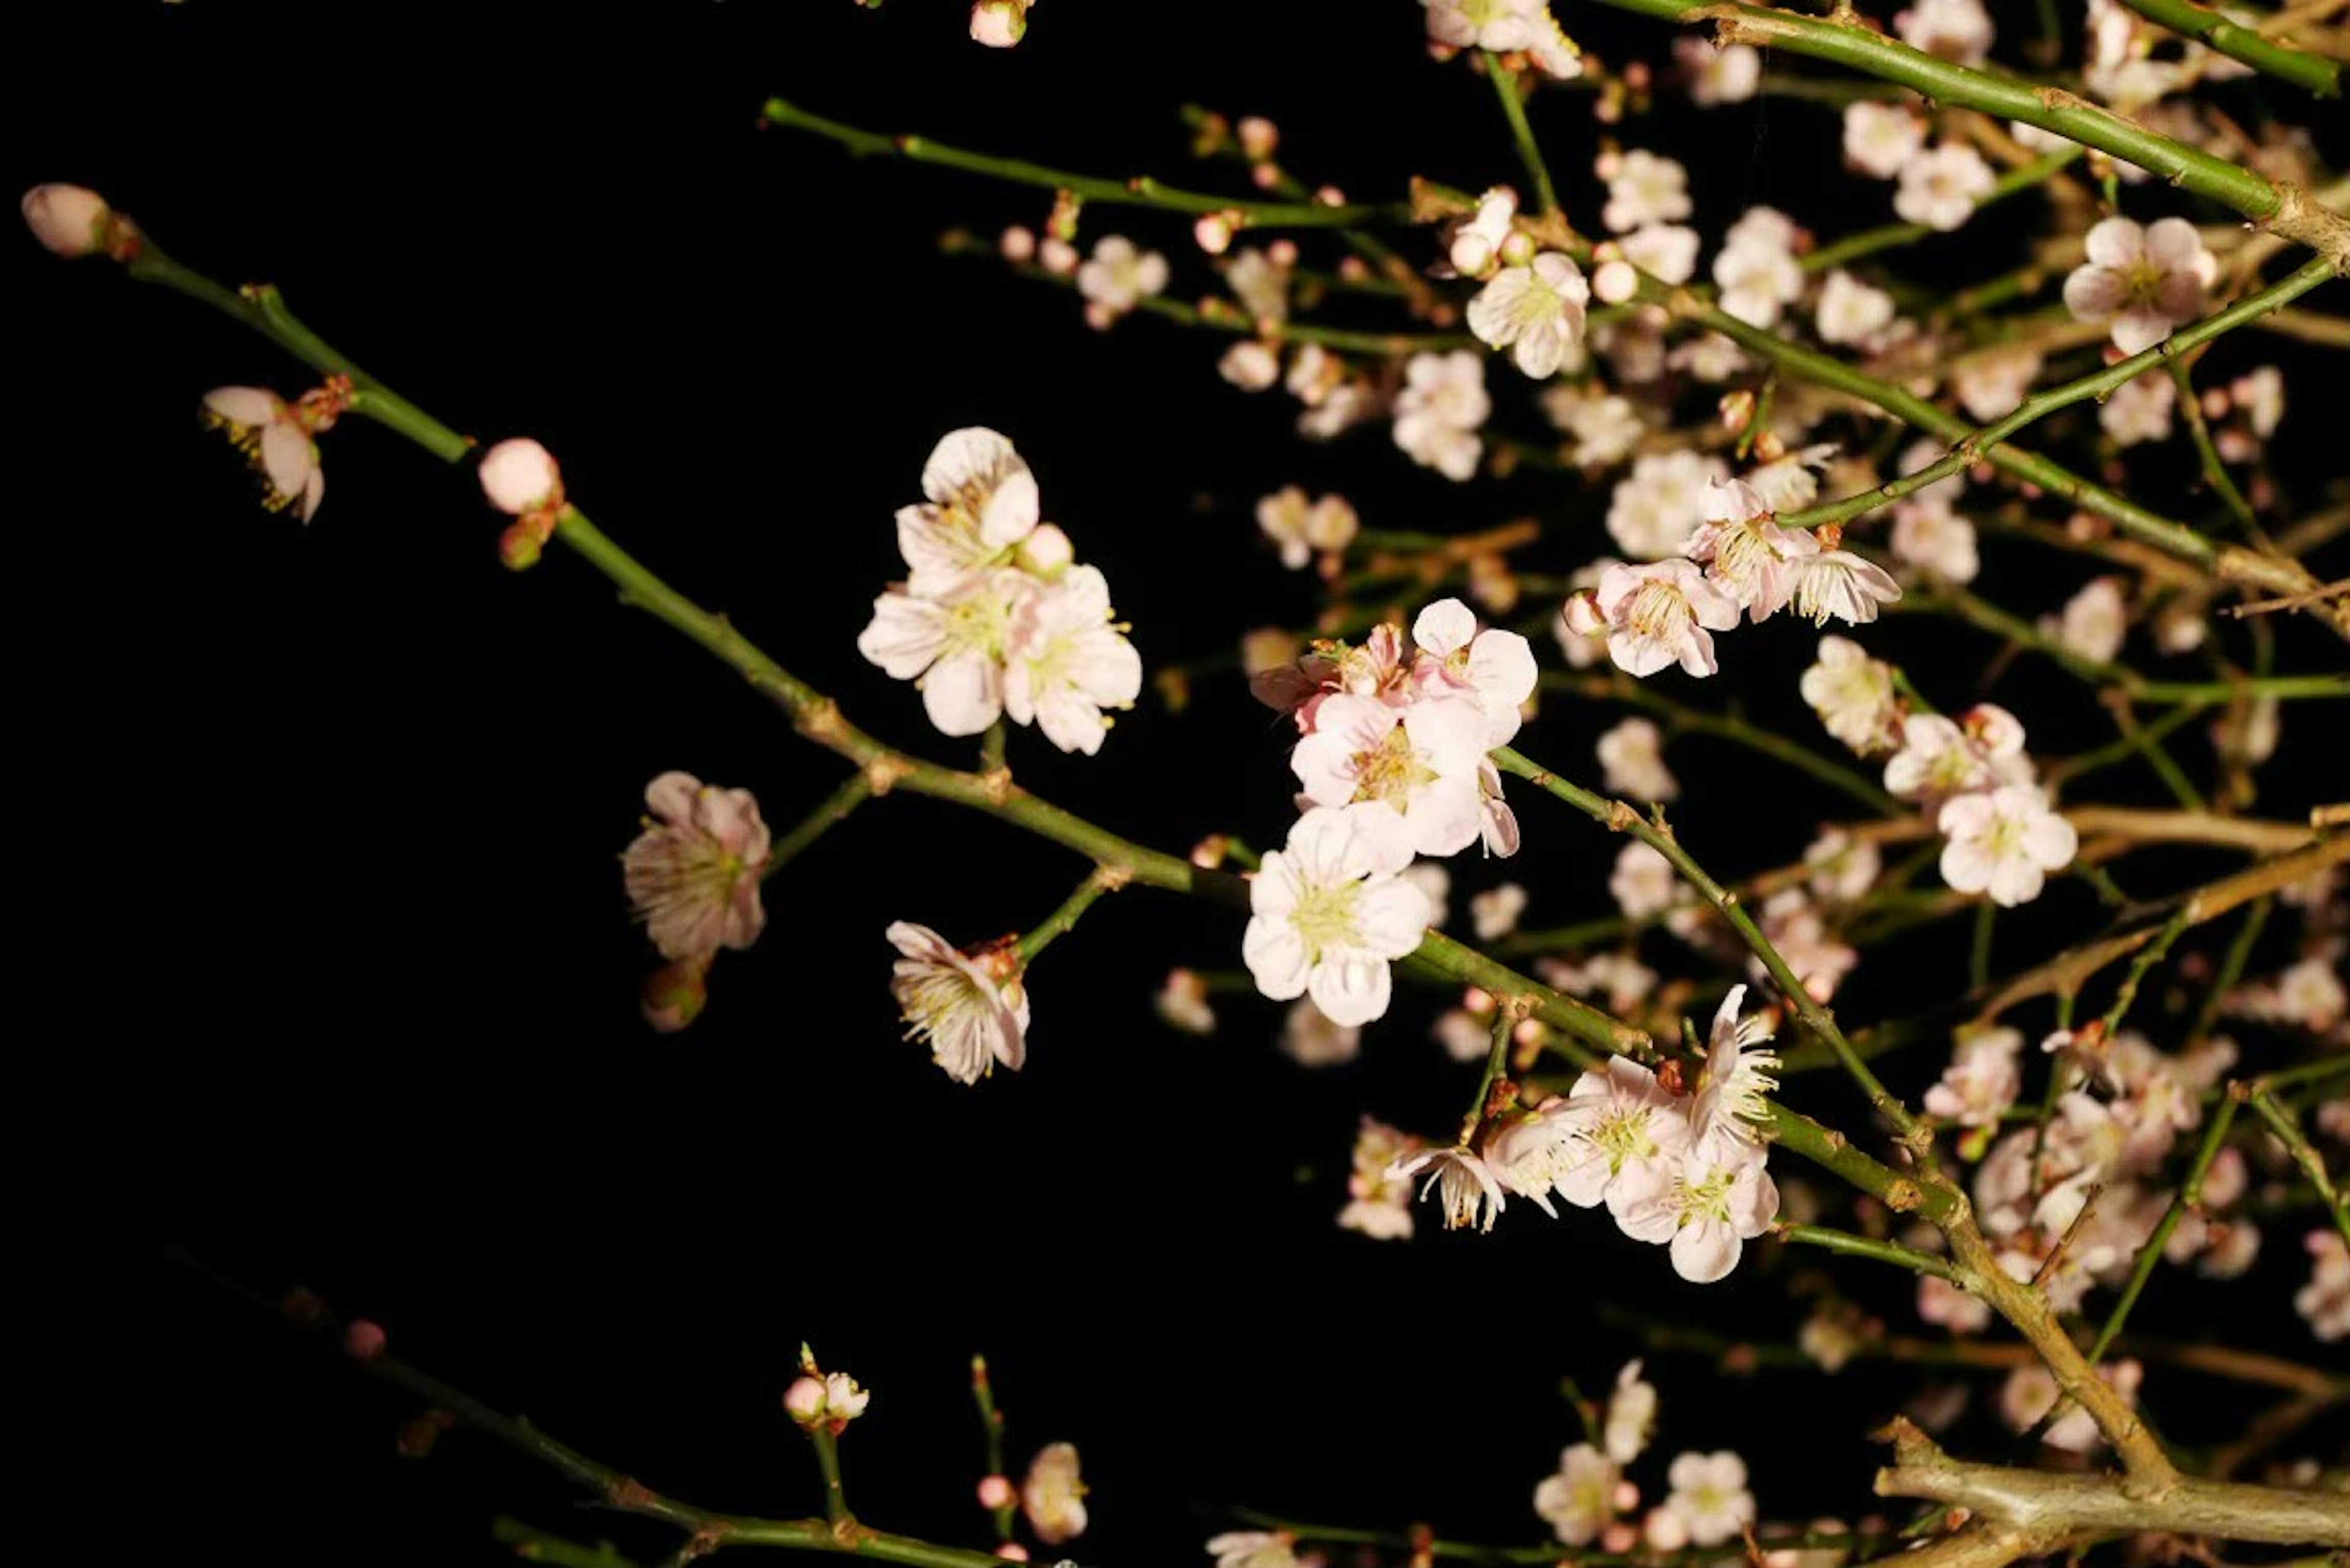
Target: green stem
2080,764
2215,472
1056,924
853,793
1978,444
991,1424
1140,192
2288,1132
1863,50
1514,109
1890,236
1854,1246
2189,1194
991,747
828,1459
2230,970
2213,30
1506,1020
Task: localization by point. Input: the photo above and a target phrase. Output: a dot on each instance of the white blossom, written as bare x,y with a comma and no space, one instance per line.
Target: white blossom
1651,510
2325,1300
1853,695
1710,1496
1329,912
1493,914
1117,277
1991,383
1379,1201
1494,669
972,1014
1928,535
1439,410
1982,1081
2003,841
1580,1500
1535,311
1303,528
1849,311
1958,31
1718,73
1632,755
2143,282
1880,139
1419,763
1631,1416
2095,620
2138,410
1656,615
1757,270
1941,188
1643,189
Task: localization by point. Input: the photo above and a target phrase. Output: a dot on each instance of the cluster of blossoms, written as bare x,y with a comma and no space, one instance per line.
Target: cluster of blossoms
995,618
1663,613
824,1401
2002,837
1505,27
1685,1171
1589,1499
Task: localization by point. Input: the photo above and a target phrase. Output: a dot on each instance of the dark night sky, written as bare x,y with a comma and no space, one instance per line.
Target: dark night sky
343,989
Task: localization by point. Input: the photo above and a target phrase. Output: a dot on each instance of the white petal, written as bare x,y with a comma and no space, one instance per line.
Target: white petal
1705,1251
245,405
1391,917
1275,955
1351,987
904,635
964,693
1444,626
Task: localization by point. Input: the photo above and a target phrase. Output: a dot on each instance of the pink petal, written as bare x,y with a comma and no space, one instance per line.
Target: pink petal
2116,242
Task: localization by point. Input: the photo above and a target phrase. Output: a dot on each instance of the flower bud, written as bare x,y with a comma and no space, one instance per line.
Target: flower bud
996,1491
67,219
519,547
1018,245
1615,282
999,24
805,1399
1046,552
1259,136
673,996
1518,249
1214,231
518,476
363,1340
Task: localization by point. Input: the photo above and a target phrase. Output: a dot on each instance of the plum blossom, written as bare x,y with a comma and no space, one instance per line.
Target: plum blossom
1535,311
2095,620
1880,139
1580,1500
2138,410
1629,1138
1501,26
1418,763
1796,929
1942,188
1303,529
1839,584
1648,511
1656,615
1474,245
1494,669
2004,841
1643,882
1718,73
1118,277
1631,1416
1991,383
1982,1081
1710,1496
1379,1201
2142,281
1958,31
1066,659
999,24
1468,1189
1731,1091
1632,754
1311,1039
1182,1002
275,437
973,1011
1606,426
954,650
1643,189
1931,536
1748,556
1440,408
1254,1549
1493,914
1940,758
1757,269
827,1400
1849,311
2325,1300
692,875
1052,1496
1667,250
1843,869
1853,695
2030,1394
71,221
1329,911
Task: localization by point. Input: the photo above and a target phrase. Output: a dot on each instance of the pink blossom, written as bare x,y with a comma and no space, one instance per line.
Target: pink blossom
2143,281
693,873
1655,615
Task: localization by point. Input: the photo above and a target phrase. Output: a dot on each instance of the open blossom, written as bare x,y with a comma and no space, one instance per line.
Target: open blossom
1493,914
1941,188
1668,250
1838,584
1853,695
1710,1496
1843,869
1065,660
1849,311
1982,1081
827,1400
1880,139
1535,311
2030,1393
1644,189
1254,1549
1052,1496
2095,620
954,650
1468,1189
1718,73
1719,1199
2142,281
1731,1093
1940,758
1656,615
1627,1138
1958,31
1795,928
1991,382
1631,1416
1117,277
1329,912
2004,841
2324,1301
693,873
2139,410
1379,1200
1931,536
1648,511
1419,763
1606,426
1501,26
1580,1500
1440,408
972,1011
1747,555
1632,754
980,505
1311,1039
1302,528
275,436
1757,269
1494,669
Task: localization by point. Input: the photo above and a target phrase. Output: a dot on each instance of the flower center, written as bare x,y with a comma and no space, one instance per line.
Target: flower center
1707,1200
1623,1135
2141,281
1324,917
1657,610
1391,771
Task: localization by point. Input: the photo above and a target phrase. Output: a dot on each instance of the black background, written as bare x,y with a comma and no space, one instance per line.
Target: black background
329,969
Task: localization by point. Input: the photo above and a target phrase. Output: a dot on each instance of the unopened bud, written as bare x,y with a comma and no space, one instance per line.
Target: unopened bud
999,24
805,1399
1517,248
1614,281
1057,255
1471,254
1214,232
995,1491
1046,552
519,547
673,997
363,1340
1259,137
1013,1551
1018,245
1736,410
519,477
1664,1530
1330,196
67,219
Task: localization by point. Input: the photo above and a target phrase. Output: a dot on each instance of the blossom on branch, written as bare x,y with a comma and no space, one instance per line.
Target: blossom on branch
2141,281
971,1010
1330,911
275,436
1657,615
693,873
1535,311
2003,841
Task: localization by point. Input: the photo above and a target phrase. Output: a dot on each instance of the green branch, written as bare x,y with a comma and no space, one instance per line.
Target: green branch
2214,31
1514,109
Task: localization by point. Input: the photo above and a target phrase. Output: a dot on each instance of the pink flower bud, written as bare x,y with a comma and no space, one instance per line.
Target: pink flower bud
1281,252
805,1400
1665,1530
1615,282
363,1340
1017,244
67,219
518,476
1214,232
996,1491
1013,1551
999,24
674,995
1259,136
1058,256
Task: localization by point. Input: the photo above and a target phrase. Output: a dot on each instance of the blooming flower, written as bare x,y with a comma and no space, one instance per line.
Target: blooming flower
1940,758
973,1012
1982,1081
1439,410
2143,281
2325,1300
1957,30
1254,1549
1117,277
1535,311
1850,311
275,436
1475,243
1853,695
1580,1500
1379,1201
1494,669
1879,139
1941,189
2095,620
1643,189
827,1400
1648,511
953,649
1757,268
1052,1496
1468,1189
1656,615
2004,840
1493,914
1301,528
1329,911
1719,1199
2138,410
1419,763
1629,1137
1311,1039
1718,73
1606,426
1632,754
1748,555
1928,535
1066,660
1840,583
1731,1093
693,875
1631,1416
1501,26
1710,1496
1991,383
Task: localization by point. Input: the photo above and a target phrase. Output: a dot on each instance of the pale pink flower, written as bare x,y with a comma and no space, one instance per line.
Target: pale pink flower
2030,1393
1843,869
1254,1549
1643,882
1939,757
1250,365
1853,695
1958,31
1958,1310
1757,269
1710,1496
1982,1081
1494,669
519,476
1311,1039
1718,73
1839,584
1931,536
1501,26
1649,511
2325,1300
1941,188
1065,660
1118,277
1493,914
1419,763
1475,247
1657,615
2139,410
275,436
1630,1139
1666,251
1748,556
1182,1002
1879,139
1439,410
1379,1201
1606,426
1632,754
1053,1497
1849,311
827,1400
1329,912
1991,384
1719,1199
1643,189
2004,841
981,504
1535,311
999,25
1733,1089
1468,1189
1580,1500
954,650
2143,281
1303,528
1802,937
69,220
2095,620
972,1011
1631,1416
694,874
